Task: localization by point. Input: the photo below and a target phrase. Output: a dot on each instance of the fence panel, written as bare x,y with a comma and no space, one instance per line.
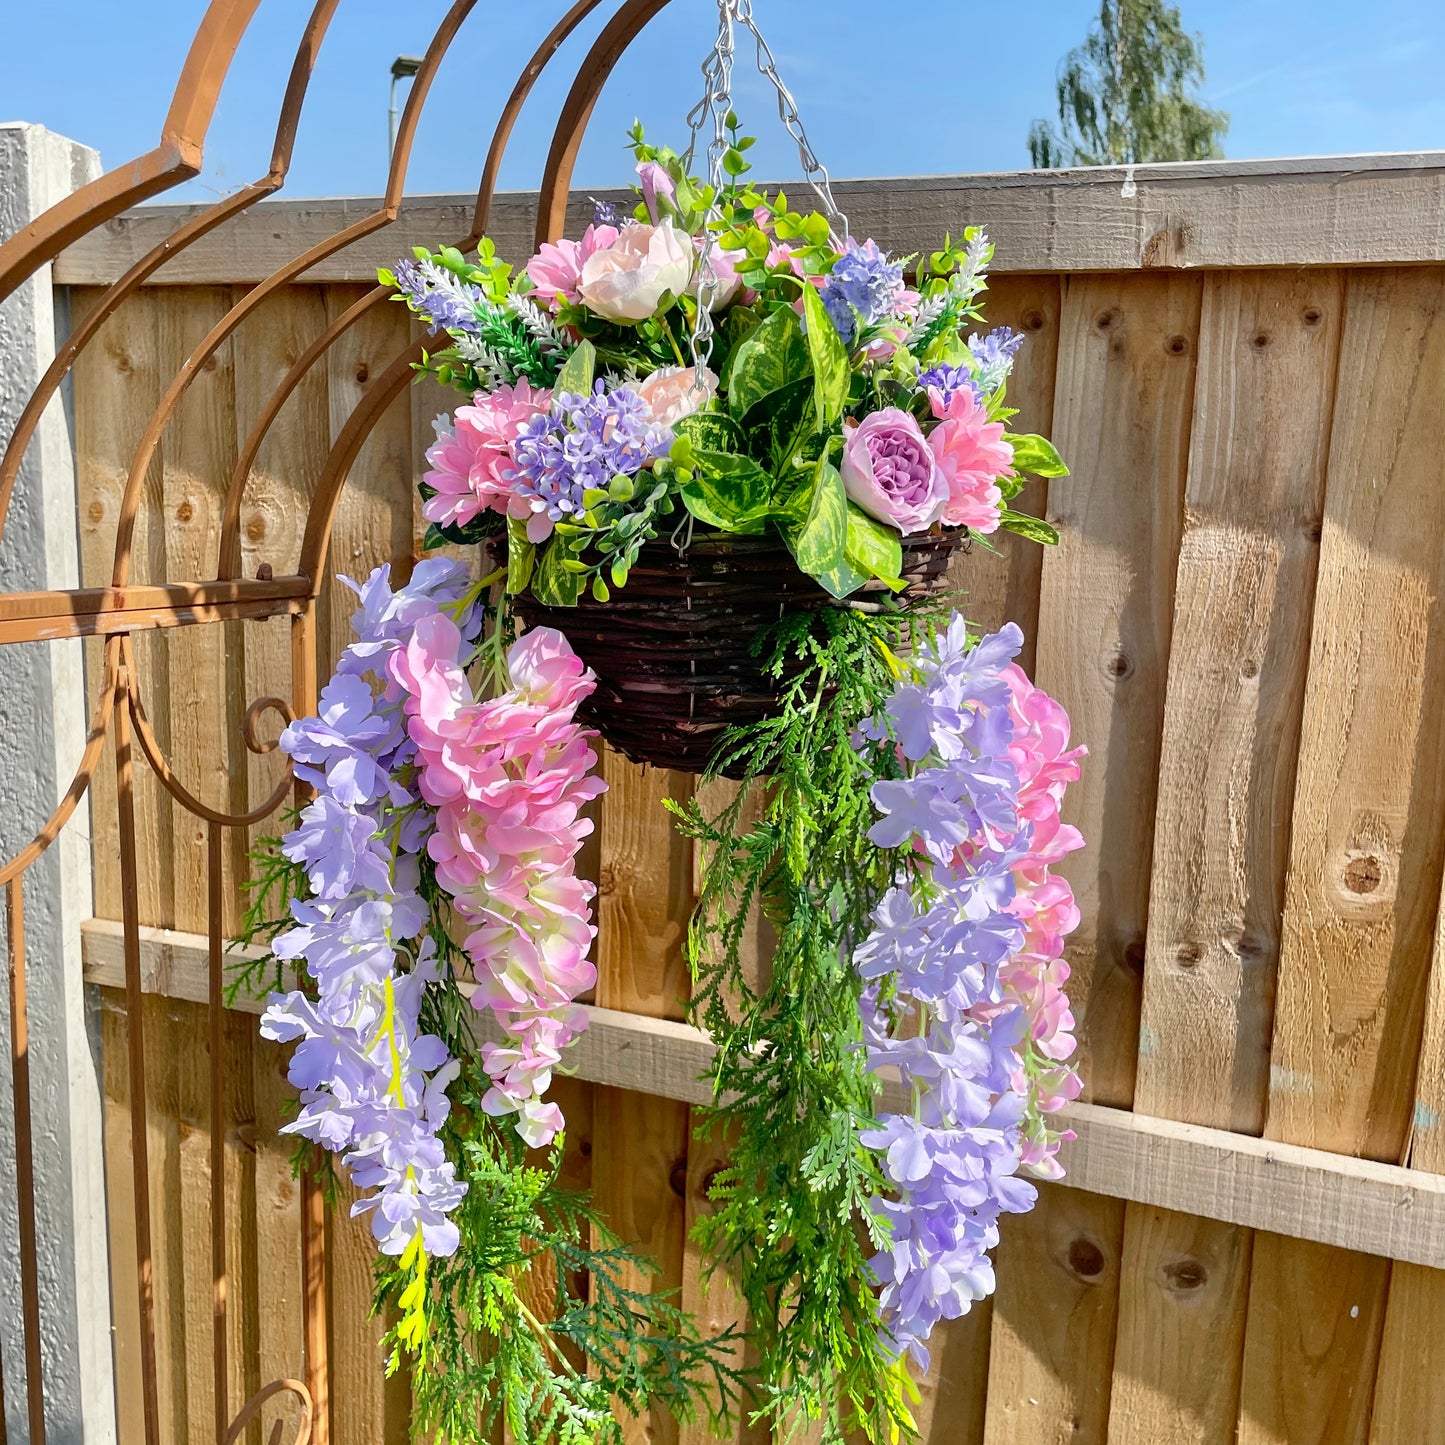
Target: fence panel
1262,800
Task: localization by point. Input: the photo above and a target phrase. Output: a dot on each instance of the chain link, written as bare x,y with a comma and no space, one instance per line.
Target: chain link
715,106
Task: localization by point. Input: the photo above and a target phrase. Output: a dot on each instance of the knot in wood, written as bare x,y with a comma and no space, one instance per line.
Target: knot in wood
1189,955
1086,1259
677,1177
1185,1275
1363,875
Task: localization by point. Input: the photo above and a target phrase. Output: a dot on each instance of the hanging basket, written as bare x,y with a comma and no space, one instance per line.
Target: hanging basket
673,651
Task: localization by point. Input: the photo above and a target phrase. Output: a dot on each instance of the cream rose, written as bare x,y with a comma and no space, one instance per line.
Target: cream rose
670,394
628,279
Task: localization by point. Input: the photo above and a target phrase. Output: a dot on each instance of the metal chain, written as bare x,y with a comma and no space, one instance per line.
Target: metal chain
715,105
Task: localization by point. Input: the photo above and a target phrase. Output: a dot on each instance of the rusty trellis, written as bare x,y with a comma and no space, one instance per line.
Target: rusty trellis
112,613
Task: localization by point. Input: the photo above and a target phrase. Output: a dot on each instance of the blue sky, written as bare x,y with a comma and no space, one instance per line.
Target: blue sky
1299,77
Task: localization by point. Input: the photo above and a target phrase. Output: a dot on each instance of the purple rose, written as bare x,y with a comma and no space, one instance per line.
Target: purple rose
889,470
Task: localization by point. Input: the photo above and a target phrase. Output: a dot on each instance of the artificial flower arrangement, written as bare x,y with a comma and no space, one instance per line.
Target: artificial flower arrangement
714,371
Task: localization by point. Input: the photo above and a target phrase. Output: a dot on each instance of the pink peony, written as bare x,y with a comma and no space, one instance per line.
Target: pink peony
972,455
556,269
670,393
470,460
889,470
627,280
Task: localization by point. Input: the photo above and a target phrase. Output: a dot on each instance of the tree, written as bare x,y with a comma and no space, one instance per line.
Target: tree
1125,94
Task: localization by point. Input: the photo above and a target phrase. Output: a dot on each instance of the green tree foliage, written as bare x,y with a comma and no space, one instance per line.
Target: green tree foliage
1125,94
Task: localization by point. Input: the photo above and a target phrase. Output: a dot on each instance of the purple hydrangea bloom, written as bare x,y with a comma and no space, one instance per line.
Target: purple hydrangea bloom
864,288
581,443
441,299
948,381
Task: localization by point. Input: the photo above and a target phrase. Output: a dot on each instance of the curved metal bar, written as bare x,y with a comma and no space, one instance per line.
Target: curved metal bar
173,245
254,714
379,395
177,158
513,108
223,329
252,1408
156,757
95,741
229,560
607,50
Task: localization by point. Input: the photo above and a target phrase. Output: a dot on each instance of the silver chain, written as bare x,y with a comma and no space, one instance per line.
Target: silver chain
715,105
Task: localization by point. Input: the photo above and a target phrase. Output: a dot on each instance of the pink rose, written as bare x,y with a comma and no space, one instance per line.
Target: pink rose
469,460
657,184
671,395
890,472
972,455
627,280
557,267
726,284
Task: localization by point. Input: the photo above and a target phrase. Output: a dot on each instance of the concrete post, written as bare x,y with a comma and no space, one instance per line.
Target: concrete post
43,721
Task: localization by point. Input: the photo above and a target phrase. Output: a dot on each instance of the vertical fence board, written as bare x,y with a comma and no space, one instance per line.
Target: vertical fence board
373,525
640,1143
1003,585
1365,855
1263,397
1126,349
1410,1400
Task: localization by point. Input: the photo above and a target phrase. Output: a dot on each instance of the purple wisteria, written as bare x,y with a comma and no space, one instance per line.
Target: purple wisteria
963,996
373,1084
581,444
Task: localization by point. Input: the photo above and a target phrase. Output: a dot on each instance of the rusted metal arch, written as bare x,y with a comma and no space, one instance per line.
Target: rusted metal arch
115,611
229,559
202,225
610,45
175,159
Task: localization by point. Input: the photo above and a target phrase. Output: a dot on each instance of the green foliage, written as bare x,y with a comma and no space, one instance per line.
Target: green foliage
275,880
521,557
771,357
1037,456
874,547
818,542
791,1222
576,376
484,1357
1124,95
729,492
1033,528
832,374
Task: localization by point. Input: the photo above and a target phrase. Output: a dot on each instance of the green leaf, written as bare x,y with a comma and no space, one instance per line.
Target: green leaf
554,585
831,371
577,375
766,360
521,557
818,544
730,492
842,580
1037,455
711,431
1033,528
874,547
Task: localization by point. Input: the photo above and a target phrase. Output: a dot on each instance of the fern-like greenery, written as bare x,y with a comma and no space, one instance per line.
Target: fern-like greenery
792,1223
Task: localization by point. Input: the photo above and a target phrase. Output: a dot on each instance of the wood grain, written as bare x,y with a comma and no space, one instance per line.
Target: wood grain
1000,581
1264,393
1103,649
1366,848
640,1158
1331,211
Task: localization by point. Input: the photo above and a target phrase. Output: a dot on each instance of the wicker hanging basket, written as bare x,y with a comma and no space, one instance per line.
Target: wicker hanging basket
673,649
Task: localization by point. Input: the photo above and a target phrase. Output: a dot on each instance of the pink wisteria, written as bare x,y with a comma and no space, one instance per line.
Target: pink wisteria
508,778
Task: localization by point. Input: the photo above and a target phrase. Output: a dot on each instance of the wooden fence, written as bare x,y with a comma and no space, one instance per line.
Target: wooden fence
1245,368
